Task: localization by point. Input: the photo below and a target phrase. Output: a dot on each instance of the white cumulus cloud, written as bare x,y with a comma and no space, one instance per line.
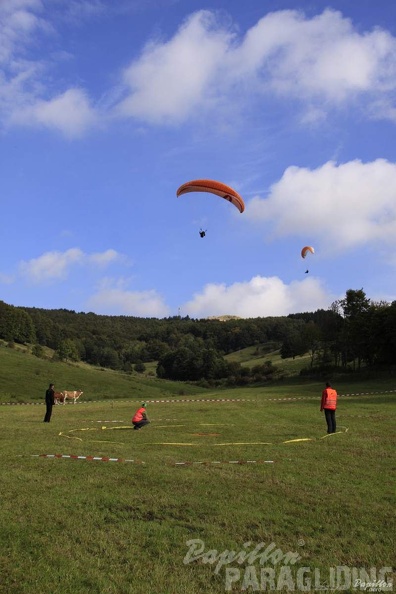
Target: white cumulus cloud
259,297
25,98
104,258
324,55
113,298
321,62
172,78
70,113
339,205
55,265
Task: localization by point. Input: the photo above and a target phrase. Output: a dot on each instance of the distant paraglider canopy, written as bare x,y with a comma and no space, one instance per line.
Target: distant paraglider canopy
307,249
213,187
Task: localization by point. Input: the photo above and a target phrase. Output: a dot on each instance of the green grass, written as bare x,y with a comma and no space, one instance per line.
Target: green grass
253,355
24,378
74,526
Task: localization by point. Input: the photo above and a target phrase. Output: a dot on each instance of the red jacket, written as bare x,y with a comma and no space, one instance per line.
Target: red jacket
139,415
329,399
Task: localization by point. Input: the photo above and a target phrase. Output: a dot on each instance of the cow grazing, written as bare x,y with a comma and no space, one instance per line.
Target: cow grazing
71,394
59,397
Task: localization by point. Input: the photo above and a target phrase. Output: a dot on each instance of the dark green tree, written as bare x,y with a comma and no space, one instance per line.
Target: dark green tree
139,367
67,351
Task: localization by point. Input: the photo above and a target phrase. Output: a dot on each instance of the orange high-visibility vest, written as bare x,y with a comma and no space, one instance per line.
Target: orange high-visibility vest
329,399
138,416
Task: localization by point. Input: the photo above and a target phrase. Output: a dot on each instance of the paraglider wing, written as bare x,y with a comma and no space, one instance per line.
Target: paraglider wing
307,249
214,187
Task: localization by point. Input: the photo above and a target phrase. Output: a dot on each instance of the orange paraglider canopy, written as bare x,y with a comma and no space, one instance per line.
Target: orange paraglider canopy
214,187
307,249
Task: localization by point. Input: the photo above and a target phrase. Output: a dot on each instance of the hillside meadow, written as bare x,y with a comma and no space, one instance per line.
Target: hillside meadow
238,470
24,378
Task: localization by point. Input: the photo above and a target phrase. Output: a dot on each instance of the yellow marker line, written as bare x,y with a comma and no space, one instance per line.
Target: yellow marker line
173,444
244,443
330,434
70,436
236,443
111,428
106,441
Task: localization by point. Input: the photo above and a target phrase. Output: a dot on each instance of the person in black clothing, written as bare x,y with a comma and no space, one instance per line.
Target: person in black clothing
49,402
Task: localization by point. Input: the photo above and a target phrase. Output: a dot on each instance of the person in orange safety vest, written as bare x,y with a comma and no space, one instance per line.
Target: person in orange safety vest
329,405
140,418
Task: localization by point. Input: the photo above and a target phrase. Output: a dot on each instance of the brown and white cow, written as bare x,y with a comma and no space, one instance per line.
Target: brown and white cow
71,394
59,397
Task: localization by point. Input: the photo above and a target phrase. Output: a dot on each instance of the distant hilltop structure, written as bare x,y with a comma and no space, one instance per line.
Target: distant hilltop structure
223,318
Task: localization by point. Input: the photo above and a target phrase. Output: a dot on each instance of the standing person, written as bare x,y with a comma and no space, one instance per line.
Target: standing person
329,405
49,402
140,418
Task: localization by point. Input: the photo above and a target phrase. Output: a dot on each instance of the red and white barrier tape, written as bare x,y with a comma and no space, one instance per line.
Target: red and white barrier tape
190,400
89,458
188,463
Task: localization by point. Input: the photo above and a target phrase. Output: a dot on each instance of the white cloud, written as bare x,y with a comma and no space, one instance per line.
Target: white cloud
321,62
24,97
259,297
69,113
323,56
112,298
104,258
172,78
18,22
339,206
56,265
51,265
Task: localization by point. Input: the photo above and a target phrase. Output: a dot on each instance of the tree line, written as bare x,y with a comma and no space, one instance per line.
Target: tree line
352,333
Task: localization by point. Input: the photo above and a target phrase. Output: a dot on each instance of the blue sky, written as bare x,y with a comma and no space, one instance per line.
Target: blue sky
107,107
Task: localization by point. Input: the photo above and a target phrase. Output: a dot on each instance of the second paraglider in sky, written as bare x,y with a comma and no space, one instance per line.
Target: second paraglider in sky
307,249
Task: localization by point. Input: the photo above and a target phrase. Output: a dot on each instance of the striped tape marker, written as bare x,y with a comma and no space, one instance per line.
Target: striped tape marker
189,400
188,463
89,458
107,421
148,401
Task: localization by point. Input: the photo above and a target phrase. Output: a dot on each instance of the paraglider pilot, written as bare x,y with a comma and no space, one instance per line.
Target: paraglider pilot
202,233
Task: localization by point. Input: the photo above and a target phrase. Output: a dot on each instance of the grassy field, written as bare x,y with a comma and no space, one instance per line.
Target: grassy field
24,378
76,526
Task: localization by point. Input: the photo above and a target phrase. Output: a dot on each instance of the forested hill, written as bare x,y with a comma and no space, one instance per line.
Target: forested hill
145,338
355,331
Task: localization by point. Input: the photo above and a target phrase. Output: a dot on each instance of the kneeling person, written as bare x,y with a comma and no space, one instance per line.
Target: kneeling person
140,418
